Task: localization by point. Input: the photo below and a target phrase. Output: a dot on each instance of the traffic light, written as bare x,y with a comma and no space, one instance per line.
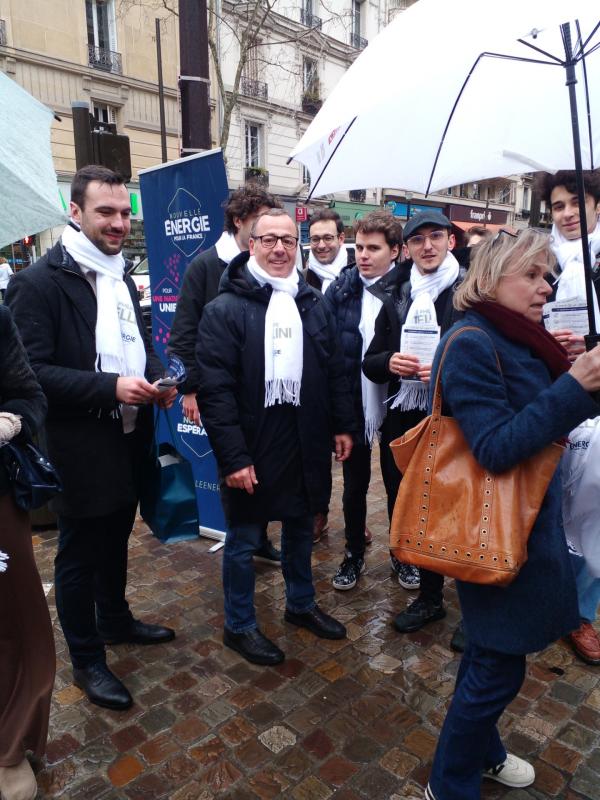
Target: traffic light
27,241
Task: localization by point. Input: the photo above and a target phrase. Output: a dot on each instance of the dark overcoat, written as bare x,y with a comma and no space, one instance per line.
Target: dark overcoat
505,419
20,392
344,300
230,356
200,286
55,309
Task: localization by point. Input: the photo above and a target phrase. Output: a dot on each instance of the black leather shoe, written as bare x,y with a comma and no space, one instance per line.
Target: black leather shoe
418,614
267,552
254,646
102,687
318,622
142,633
459,639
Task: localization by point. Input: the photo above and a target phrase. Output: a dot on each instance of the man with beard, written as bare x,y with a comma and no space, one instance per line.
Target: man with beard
80,321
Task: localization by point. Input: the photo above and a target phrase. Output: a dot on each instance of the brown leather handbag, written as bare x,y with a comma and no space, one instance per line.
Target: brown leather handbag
454,517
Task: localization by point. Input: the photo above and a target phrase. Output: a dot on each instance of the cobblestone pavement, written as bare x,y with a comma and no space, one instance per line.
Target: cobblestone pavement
343,720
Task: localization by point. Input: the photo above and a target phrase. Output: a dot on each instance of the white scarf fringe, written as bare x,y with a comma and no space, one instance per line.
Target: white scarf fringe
283,353
424,291
373,394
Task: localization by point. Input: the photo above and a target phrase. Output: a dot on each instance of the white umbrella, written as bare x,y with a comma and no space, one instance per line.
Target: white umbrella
453,92
30,199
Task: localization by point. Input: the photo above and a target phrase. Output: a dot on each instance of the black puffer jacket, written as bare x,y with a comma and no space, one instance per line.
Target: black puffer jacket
392,317
20,392
200,286
290,447
344,300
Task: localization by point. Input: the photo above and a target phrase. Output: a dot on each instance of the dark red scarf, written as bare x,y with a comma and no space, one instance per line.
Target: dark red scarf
519,329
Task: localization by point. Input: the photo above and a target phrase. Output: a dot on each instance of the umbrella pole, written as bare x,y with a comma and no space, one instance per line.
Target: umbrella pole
593,338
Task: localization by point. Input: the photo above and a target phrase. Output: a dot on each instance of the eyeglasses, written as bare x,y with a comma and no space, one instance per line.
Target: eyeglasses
269,240
504,232
435,237
328,239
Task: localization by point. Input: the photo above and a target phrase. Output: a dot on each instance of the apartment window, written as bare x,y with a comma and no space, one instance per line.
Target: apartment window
253,144
104,113
356,27
101,27
305,175
310,82
101,36
526,197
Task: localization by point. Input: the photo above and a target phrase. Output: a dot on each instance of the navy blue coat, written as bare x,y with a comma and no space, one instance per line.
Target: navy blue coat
505,419
344,300
290,447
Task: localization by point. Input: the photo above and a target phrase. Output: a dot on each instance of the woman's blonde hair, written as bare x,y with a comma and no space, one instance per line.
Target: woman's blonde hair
504,254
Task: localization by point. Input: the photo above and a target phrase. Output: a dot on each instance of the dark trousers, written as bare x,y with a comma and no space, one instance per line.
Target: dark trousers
241,542
90,571
432,584
469,742
357,475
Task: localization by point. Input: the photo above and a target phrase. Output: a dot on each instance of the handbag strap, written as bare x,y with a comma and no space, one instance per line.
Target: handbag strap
154,446
436,410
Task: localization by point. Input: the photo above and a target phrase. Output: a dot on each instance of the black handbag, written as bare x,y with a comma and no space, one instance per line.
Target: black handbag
33,479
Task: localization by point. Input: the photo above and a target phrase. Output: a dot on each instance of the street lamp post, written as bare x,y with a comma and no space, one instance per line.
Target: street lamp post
409,197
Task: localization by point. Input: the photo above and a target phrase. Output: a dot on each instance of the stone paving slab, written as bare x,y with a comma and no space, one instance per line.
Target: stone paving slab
345,720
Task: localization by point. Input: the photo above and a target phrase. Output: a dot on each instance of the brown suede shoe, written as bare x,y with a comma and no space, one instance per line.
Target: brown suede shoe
18,783
586,644
320,527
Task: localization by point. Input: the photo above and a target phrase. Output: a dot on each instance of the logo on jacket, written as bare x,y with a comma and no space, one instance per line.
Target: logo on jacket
185,224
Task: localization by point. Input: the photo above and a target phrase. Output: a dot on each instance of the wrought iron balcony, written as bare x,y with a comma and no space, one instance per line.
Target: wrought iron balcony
310,20
358,41
108,60
311,102
258,175
251,88
2,32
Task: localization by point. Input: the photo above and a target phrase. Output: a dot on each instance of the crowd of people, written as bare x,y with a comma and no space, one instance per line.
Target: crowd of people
285,366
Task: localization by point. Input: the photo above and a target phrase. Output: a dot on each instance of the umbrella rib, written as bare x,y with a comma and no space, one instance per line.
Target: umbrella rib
587,100
539,50
587,41
313,188
462,89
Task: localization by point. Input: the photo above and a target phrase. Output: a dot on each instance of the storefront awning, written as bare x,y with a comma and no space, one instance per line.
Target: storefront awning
465,226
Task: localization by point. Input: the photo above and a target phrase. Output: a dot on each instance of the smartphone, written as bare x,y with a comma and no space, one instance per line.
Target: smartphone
166,383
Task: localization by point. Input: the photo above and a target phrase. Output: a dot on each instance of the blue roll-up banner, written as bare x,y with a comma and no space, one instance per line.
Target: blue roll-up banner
183,216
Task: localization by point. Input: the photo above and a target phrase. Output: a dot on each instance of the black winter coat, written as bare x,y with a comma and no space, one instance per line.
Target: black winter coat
290,447
20,392
344,300
386,342
200,286
55,309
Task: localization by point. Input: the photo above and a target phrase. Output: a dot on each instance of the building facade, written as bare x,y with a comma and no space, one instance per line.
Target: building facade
104,53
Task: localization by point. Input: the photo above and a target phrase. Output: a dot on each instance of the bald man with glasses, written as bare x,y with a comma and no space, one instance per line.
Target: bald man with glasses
275,403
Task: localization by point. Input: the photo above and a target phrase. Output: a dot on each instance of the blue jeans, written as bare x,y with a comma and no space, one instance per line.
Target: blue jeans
241,542
469,742
588,589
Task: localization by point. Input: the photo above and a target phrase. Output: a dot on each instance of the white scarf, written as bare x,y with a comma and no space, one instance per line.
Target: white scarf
283,338
424,291
568,252
328,272
119,343
373,394
227,247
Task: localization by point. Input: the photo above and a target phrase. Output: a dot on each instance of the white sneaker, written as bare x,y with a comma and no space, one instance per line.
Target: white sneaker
513,772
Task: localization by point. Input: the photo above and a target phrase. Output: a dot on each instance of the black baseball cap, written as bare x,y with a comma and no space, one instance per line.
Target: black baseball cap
425,218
